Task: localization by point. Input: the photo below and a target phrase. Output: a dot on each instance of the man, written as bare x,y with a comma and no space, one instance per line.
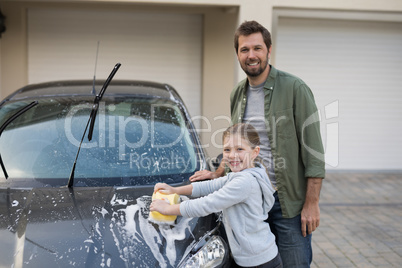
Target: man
282,108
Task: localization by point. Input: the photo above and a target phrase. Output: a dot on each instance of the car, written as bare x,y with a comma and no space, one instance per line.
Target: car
78,171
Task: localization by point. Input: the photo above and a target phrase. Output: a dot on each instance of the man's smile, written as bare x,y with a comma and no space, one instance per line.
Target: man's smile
253,64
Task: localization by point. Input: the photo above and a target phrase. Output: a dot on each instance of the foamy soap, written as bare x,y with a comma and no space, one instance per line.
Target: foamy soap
158,217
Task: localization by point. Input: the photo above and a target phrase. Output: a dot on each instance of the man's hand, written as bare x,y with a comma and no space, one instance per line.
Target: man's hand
310,215
203,175
310,218
208,175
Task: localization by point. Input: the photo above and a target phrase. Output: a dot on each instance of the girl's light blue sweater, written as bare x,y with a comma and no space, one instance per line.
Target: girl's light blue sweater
245,198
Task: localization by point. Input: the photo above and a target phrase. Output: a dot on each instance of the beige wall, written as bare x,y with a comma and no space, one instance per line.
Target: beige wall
13,64
218,76
220,68
0,62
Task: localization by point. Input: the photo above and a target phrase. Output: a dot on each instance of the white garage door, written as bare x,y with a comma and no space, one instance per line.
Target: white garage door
167,48
355,71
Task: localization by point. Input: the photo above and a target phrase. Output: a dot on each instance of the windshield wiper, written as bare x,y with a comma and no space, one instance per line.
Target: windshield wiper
91,120
98,98
7,122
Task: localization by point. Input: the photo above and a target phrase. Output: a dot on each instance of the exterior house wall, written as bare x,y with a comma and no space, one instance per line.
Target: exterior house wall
221,17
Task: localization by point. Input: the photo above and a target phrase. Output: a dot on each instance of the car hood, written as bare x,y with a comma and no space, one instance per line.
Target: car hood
89,227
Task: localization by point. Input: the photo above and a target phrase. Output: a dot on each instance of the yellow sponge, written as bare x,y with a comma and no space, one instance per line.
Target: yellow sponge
160,218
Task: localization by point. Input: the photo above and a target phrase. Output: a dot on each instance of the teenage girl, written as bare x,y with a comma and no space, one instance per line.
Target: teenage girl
245,196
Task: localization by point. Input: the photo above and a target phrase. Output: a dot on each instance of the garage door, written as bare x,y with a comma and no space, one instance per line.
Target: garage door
355,71
62,44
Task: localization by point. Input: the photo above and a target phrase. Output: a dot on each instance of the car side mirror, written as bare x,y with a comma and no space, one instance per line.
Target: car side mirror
216,161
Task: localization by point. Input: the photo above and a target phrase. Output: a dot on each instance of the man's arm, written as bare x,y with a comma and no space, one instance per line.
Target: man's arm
206,174
310,215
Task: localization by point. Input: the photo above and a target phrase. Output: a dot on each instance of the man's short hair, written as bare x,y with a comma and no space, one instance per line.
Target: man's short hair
251,27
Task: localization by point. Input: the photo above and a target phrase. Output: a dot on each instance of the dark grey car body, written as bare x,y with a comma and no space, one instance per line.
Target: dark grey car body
102,220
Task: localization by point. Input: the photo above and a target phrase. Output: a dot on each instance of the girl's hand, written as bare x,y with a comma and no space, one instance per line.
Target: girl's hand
161,206
164,188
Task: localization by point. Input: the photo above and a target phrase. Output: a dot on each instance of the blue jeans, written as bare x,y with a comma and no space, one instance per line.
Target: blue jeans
295,250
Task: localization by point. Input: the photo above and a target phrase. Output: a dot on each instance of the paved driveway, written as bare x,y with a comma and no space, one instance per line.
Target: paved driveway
361,221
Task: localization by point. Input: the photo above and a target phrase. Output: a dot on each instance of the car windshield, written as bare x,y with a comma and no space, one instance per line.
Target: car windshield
136,141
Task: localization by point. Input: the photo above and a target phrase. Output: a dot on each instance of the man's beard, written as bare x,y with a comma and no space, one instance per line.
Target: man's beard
258,71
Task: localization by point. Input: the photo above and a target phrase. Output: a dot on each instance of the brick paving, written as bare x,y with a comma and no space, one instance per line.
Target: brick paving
361,221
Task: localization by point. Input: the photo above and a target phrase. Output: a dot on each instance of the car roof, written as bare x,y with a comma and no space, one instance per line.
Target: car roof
85,88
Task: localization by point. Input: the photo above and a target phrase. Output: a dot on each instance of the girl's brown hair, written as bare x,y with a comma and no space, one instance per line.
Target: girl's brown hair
245,131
